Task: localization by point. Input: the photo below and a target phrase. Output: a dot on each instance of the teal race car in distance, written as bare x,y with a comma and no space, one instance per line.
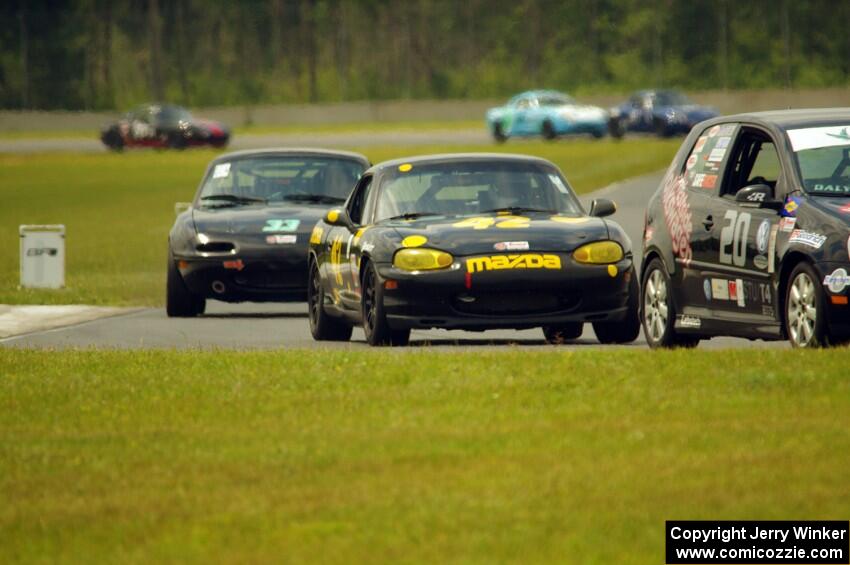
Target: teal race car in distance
546,113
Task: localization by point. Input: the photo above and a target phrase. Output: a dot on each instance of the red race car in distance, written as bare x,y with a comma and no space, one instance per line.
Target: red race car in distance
164,126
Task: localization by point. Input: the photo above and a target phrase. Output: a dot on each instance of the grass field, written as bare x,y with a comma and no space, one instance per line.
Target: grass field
344,456
118,208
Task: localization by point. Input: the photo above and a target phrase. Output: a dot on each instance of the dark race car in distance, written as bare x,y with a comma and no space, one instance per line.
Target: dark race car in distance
748,233
473,242
245,236
662,112
163,125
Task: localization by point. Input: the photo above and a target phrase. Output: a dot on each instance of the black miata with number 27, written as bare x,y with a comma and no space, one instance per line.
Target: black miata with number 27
748,233
470,242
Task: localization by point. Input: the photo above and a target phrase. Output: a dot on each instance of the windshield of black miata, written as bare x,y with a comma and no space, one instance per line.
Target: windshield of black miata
451,189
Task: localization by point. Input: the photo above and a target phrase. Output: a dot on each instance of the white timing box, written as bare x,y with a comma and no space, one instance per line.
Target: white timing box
42,256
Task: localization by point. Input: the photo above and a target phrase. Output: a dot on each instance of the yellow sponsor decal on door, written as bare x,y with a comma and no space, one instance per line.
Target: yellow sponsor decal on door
336,258
523,261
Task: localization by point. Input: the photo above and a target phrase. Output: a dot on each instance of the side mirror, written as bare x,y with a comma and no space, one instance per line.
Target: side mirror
338,217
601,207
180,207
758,196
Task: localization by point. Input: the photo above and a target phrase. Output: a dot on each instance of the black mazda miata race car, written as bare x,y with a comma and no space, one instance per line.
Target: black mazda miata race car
470,242
245,236
163,126
748,233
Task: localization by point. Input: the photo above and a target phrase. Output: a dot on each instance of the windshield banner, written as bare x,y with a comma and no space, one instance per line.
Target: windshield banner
815,138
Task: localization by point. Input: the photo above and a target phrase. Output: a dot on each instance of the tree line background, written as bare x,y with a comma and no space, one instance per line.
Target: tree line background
106,54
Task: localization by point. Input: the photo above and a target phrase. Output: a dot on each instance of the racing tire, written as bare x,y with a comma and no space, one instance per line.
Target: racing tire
660,128
616,128
498,133
558,335
323,327
176,141
626,330
548,131
112,140
658,313
179,301
805,309
375,325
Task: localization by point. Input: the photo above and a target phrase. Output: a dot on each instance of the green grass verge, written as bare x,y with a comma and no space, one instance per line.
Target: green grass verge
348,456
118,208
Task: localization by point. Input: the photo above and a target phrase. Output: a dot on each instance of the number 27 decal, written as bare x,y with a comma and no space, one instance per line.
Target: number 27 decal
736,226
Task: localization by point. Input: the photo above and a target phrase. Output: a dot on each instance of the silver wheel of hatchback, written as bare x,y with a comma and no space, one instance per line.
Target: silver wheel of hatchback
655,306
802,311
658,311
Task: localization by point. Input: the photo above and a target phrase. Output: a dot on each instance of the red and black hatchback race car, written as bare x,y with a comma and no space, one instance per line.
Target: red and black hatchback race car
163,126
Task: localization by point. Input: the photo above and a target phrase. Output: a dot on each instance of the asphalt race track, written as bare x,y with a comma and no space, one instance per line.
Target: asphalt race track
246,326
255,141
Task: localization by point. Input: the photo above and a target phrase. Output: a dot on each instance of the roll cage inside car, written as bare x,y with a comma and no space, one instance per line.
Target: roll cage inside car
757,162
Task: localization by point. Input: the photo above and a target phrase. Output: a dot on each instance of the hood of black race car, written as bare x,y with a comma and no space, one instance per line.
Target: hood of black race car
252,221
499,234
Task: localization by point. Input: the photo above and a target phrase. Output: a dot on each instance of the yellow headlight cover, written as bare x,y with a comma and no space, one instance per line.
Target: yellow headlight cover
422,259
599,253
